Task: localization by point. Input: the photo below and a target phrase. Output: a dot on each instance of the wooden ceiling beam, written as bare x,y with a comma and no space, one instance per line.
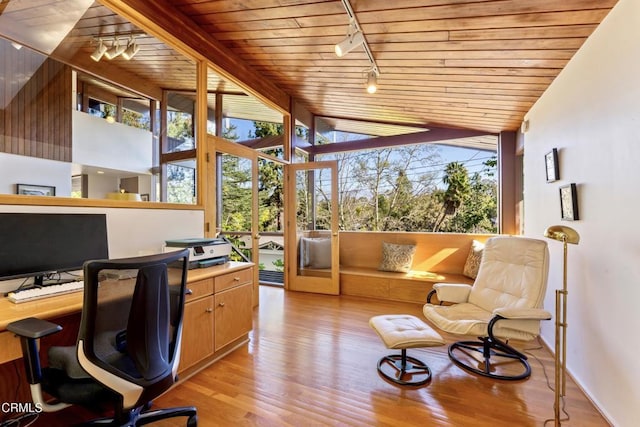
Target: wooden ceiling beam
432,135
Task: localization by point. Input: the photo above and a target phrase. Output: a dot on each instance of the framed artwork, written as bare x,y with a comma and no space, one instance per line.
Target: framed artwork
35,190
569,202
144,197
551,164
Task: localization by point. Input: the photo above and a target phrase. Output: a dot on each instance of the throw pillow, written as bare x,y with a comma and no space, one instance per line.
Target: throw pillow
320,253
472,265
315,252
397,257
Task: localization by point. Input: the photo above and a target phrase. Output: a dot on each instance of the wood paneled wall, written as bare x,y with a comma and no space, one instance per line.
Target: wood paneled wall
36,120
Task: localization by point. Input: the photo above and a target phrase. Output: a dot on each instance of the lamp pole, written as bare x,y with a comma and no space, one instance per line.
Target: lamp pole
565,235
561,344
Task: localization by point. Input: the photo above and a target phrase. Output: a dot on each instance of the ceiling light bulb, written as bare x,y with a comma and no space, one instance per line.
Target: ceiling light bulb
131,50
372,82
351,42
115,50
100,50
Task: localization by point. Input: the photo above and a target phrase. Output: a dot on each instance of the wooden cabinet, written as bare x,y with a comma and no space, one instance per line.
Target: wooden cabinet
233,311
197,332
218,312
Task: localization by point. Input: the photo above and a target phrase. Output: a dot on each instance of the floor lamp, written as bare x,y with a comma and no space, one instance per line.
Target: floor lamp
565,235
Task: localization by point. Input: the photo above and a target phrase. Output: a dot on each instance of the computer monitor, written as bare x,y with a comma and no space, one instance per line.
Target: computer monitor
36,244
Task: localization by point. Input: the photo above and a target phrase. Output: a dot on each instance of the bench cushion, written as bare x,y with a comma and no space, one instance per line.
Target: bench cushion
399,331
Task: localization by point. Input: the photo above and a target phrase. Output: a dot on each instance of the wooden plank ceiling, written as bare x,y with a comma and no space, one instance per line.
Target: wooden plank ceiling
477,64
473,64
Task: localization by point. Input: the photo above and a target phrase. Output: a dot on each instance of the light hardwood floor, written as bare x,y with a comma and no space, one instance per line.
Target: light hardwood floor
312,361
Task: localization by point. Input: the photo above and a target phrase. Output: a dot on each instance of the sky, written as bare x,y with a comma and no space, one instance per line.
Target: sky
472,159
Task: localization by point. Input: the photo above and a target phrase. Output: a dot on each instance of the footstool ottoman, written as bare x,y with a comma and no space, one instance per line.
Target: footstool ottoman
403,331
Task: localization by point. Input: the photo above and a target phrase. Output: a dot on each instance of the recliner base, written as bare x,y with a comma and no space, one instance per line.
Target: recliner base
403,366
489,348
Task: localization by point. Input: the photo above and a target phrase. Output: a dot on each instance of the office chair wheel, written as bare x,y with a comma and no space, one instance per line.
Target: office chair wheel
192,421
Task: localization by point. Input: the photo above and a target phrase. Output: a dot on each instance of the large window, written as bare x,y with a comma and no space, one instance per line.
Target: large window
423,187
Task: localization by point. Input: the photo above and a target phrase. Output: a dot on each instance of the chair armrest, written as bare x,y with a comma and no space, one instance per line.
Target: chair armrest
30,330
522,313
452,292
32,327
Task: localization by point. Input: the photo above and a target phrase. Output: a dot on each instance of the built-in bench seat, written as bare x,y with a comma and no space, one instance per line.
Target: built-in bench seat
439,257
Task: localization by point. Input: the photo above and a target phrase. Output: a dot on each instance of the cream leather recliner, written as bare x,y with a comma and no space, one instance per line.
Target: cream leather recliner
504,303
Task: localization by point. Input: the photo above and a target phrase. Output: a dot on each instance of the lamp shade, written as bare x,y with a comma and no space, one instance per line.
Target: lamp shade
115,50
562,233
131,50
372,82
99,52
351,42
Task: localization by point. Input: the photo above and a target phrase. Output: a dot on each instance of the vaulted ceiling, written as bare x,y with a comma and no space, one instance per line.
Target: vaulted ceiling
478,64
473,64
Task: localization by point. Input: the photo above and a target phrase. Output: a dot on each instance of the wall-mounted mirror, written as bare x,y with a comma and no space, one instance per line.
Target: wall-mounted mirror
81,109
92,105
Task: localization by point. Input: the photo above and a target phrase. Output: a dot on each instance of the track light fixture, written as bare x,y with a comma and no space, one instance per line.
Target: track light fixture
354,39
372,81
131,50
99,52
115,50
128,50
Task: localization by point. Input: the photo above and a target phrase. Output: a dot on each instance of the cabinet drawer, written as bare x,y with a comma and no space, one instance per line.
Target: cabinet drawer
235,278
199,289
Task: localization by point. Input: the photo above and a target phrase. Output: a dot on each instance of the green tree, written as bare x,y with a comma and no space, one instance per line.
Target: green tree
180,127
230,133
181,184
236,194
456,178
375,189
478,211
270,179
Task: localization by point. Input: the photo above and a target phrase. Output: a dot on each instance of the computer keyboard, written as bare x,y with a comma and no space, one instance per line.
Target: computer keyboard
45,292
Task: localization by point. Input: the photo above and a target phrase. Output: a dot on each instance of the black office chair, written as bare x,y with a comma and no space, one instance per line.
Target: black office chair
128,346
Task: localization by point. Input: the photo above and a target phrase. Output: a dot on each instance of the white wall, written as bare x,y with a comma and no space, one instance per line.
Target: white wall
16,169
97,142
99,185
132,232
591,113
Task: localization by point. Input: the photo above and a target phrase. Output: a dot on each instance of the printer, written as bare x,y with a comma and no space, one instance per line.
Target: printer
202,252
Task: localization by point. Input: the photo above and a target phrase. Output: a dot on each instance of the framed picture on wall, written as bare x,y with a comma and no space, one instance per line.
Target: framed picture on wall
35,190
551,164
569,202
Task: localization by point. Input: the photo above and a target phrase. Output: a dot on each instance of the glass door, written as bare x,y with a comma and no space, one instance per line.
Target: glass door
312,220
237,203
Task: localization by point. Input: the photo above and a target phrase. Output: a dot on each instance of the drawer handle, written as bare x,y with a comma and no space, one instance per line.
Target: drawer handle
209,310
188,291
221,304
236,279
